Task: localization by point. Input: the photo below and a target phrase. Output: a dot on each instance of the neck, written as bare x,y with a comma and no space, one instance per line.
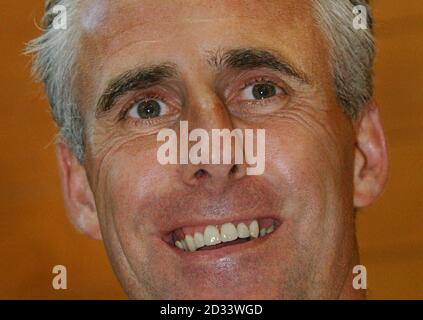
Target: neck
348,292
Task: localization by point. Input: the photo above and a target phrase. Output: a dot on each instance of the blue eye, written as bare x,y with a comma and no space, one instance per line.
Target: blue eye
260,91
148,109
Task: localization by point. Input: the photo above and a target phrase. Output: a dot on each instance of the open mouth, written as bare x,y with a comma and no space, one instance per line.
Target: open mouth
210,237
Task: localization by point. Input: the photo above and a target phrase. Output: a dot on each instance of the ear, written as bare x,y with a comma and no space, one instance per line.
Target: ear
79,199
371,159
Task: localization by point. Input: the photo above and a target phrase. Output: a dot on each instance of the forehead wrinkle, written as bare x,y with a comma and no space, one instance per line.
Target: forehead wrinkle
99,16
104,29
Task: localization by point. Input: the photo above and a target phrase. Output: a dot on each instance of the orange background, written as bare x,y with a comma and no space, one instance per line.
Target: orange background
35,234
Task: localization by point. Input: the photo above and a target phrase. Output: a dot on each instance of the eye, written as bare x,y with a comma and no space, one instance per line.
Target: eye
148,109
260,91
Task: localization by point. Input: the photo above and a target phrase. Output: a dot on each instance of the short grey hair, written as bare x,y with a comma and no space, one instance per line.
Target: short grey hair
352,51
54,63
351,59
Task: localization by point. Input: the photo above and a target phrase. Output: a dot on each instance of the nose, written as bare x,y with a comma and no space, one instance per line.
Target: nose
224,166
214,177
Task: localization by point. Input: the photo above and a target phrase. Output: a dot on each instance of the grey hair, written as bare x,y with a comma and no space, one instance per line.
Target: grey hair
54,62
351,58
351,51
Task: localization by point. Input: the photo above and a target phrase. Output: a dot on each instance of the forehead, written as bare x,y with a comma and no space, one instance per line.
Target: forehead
119,15
119,35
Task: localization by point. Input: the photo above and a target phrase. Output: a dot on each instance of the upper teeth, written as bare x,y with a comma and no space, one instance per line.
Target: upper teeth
228,232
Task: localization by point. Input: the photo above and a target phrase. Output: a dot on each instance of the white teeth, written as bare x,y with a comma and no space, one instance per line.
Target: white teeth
198,240
190,243
179,245
228,232
243,231
254,229
211,236
184,245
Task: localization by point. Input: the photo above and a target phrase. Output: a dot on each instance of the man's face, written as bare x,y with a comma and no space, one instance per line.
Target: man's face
306,190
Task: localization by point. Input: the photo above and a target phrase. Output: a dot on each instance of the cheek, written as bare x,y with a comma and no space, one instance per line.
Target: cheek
127,176
309,164
316,176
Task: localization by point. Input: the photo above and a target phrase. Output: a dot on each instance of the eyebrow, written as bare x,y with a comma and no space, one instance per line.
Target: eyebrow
253,58
136,79
242,59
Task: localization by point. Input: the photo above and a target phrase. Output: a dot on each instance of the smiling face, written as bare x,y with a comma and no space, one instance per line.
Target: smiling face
147,65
